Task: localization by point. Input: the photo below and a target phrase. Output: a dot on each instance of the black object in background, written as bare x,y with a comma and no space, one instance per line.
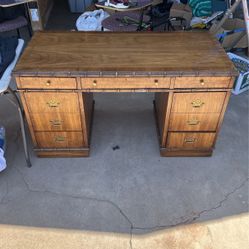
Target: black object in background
11,12
8,47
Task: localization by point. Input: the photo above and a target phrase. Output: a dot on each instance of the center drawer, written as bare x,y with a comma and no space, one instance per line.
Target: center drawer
200,102
52,102
59,139
125,83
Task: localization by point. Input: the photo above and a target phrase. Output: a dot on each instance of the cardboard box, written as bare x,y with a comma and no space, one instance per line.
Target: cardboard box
229,25
181,10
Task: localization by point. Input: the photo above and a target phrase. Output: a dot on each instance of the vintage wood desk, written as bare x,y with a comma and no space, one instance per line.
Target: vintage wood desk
189,73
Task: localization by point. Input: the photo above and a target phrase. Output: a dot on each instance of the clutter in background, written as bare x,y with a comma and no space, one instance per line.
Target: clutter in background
242,81
2,149
231,32
201,8
91,20
79,6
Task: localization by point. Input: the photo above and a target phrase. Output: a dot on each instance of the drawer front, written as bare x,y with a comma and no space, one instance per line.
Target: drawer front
190,140
59,139
124,83
56,121
47,83
198,102
202,82
52,102
193,122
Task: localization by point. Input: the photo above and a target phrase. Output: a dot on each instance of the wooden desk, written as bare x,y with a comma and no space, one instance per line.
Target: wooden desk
59,72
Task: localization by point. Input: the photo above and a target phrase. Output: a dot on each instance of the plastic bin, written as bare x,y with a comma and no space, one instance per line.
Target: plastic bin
79,6
241,83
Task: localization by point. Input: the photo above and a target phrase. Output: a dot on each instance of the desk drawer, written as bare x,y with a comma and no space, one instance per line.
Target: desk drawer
193,122
56,121
125,83
59,139
39,102
198,102
202,82
190,140
46,83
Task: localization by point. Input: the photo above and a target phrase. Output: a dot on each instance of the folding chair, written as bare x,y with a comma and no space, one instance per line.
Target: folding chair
6,90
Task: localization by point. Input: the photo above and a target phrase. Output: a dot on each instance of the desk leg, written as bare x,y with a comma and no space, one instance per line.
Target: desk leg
87,108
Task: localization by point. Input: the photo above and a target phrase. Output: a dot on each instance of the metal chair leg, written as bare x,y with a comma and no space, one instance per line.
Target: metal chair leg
18,33
24,138
21,117
30,30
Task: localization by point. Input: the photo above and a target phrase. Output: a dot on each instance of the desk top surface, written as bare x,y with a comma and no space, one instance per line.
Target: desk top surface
100,53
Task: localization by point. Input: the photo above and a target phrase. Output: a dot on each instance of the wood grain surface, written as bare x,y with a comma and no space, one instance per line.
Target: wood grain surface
190,140
201,102
193,122
84,53
125,83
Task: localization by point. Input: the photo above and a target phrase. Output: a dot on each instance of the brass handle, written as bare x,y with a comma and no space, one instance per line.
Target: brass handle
95,82
193,122
197,103
48,83
56,122
59,139
202,82
53,103
190,140
156,82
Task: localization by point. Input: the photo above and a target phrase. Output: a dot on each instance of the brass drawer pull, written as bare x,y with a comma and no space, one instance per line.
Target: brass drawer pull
156,82
59,139
56,123
53,103
190,140
193,122
197,103
95,82
202,82
48,83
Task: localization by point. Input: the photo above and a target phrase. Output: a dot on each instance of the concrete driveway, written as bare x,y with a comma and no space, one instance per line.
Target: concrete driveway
130,190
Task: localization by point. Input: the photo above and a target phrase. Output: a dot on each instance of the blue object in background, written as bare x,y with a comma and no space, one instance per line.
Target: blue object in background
2,138
79,6
219,5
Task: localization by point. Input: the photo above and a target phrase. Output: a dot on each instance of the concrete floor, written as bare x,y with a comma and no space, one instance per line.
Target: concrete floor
131,190
226,233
